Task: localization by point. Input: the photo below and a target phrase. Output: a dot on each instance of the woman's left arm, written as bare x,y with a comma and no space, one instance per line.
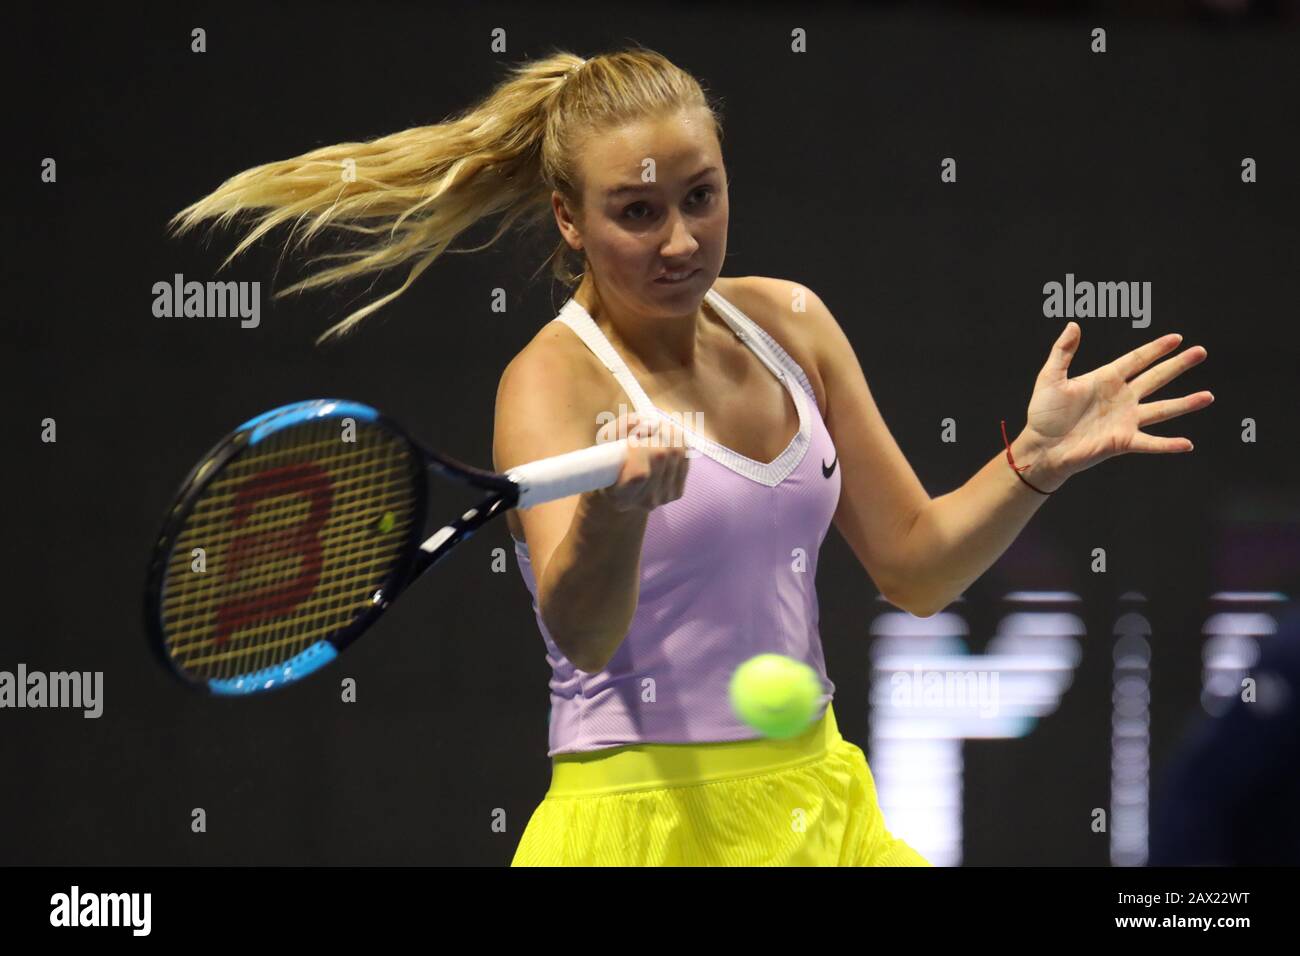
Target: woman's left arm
1072,424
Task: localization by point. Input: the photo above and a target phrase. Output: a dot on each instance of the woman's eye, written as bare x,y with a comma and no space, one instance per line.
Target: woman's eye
705,192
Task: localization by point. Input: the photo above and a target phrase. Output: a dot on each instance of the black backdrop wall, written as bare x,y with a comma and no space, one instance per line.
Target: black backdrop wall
1122,166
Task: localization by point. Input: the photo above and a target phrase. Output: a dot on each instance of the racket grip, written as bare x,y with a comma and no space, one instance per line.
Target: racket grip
586,469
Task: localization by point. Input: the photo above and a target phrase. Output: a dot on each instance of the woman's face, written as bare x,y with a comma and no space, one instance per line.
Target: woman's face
654,201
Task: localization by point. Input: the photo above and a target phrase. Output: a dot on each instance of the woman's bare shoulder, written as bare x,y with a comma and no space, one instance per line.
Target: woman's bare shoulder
771,303
774,305
556,352
557,377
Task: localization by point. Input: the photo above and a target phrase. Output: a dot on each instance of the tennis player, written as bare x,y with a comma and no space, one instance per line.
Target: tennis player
649,594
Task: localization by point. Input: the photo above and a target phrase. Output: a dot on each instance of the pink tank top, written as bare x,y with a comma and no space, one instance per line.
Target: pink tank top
727,571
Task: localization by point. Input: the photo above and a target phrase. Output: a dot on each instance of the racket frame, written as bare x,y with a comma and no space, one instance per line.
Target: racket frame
226,451
504,493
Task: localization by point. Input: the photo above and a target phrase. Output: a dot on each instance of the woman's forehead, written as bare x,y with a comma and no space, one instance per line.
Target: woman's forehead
647,152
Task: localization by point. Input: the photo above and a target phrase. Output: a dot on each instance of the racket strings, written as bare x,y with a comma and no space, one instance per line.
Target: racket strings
267,554
324,611
299,531
273,633
349,480
270,561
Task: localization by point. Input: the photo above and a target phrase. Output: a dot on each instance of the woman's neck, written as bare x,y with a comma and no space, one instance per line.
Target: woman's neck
657,341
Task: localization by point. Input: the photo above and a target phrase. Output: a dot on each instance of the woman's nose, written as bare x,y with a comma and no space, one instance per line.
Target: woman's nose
681,241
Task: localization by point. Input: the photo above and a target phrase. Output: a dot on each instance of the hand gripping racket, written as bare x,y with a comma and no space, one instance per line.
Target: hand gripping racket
300,528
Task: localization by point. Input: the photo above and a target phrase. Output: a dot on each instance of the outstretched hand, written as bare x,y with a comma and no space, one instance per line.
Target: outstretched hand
1077,422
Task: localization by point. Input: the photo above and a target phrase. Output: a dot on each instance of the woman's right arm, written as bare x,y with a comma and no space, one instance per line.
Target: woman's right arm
585,549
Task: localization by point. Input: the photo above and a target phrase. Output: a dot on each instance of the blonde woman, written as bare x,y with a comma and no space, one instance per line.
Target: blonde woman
649,594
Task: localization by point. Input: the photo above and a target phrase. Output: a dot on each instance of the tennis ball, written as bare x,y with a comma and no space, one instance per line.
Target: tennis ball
387,522
775,694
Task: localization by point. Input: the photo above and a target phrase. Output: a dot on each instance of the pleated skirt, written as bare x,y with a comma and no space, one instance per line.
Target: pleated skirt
806,801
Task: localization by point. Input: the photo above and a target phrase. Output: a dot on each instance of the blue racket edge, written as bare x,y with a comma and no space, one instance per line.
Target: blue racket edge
278,675
270,422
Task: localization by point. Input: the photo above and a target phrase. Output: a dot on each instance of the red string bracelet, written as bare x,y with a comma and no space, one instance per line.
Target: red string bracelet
1013,463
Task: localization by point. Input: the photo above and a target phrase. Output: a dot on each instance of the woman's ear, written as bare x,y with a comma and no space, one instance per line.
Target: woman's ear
564,220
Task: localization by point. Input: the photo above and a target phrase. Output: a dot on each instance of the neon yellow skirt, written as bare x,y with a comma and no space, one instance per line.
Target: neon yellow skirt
806,801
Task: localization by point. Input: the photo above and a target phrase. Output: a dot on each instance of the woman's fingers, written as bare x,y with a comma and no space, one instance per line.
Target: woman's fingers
656,466
1131,363
653,473
1168,370
675,455
1155,412
1157,445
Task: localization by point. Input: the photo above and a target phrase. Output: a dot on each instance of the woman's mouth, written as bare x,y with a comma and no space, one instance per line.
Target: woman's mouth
673,278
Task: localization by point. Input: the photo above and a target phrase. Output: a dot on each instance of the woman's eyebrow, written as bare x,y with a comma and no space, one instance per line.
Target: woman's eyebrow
639,187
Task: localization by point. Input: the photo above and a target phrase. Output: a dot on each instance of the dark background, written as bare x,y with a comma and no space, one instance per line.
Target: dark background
1122,166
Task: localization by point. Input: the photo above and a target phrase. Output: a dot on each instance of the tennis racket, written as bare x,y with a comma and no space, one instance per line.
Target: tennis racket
302,526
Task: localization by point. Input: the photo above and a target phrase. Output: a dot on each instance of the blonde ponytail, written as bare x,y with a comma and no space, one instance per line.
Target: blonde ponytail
422,187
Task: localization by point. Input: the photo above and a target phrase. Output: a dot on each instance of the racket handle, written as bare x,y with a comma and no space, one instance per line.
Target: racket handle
569,474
